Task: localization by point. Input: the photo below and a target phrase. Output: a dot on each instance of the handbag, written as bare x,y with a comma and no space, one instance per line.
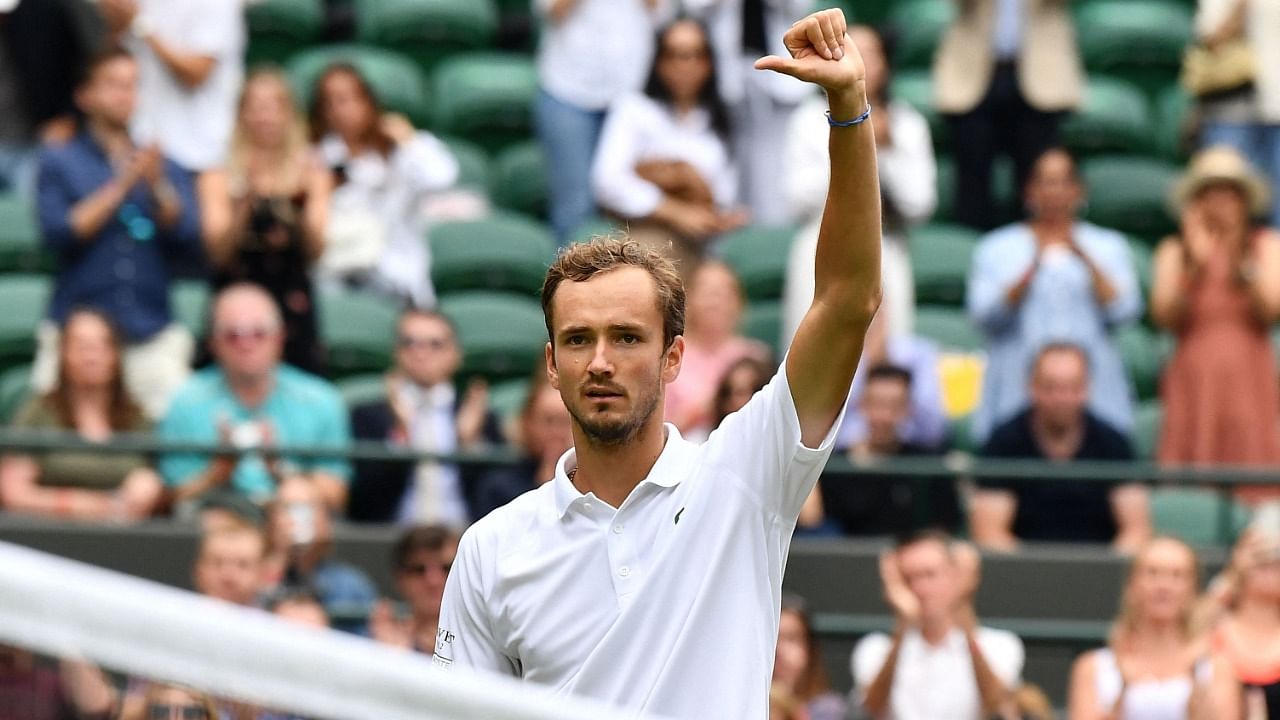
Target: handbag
354,240
1225,68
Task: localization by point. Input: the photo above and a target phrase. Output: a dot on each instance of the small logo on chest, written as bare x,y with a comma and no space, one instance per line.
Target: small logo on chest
676,520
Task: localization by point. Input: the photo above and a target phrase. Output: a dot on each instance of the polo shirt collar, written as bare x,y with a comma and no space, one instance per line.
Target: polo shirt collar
668,471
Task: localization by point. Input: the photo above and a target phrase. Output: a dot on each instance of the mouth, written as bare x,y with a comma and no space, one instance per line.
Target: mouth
602,394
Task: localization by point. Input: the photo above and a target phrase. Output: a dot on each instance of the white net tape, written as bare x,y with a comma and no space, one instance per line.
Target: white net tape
61,608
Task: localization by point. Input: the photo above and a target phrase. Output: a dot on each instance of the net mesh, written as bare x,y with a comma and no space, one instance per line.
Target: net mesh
60,619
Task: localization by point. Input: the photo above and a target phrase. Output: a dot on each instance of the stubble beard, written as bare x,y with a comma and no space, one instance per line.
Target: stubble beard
618,432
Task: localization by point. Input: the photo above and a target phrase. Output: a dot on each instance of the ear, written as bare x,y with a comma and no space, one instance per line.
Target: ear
553,375
672,359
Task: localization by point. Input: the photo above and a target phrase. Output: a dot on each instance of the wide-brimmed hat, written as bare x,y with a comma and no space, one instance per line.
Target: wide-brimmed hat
1221,164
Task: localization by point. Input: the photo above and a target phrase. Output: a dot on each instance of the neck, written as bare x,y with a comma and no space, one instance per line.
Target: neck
113,138
1156,637
884,446
1052,226
935,630
250,390
1057,441
684,106
710,338
611,471
91,397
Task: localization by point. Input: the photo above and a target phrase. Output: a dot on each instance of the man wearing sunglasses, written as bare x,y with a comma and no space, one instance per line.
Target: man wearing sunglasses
422,410
252,400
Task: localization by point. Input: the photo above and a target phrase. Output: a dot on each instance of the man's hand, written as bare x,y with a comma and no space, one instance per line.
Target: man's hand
821,53
905,605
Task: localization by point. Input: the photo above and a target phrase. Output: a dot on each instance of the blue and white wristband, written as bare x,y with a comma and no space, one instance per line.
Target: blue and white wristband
849,123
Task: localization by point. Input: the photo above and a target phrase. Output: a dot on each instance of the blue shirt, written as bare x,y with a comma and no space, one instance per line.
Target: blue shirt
303,410
122,271
1060,306
1006,30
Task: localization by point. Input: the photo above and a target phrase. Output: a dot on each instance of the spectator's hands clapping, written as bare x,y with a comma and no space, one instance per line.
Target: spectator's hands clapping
1197,238
386,627
968,564
472,412
903,602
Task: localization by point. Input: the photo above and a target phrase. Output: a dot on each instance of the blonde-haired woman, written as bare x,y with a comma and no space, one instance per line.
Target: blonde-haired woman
1155,668
264,214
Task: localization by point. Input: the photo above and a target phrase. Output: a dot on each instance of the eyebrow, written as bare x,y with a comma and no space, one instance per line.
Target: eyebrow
616,327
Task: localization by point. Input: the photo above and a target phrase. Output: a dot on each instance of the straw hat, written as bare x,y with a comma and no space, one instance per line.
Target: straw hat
1221,164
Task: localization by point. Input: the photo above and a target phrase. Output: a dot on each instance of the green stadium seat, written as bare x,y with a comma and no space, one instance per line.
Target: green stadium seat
962,435
1143,353
362,389
25,299
1147,419
595,227
1142,262
190,302
485,97
949,327
915,87
1174,123
763,321
358,331
862,12
15,391
758,255
1002,178
1115,117
520,179
280,28
473,164
919,25
20,248
1196,515
501,252
427,30
1140,40
507,398
940,257
502,334
395,79
1130,194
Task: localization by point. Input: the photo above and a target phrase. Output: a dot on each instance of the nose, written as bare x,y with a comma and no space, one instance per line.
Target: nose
601,364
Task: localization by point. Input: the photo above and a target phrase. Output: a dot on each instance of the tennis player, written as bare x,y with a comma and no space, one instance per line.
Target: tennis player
648,572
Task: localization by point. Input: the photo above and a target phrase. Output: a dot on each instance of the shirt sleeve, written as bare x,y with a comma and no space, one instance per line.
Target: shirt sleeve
987,285
908,170
179,425
426,163
760,447
53,203
1004,654
614,181
466,636
868,658
334,431
220,33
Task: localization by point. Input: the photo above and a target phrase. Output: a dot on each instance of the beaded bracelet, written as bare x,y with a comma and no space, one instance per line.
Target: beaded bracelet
849,123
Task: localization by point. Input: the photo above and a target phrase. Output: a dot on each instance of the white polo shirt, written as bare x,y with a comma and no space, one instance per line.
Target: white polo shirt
668,605
936,682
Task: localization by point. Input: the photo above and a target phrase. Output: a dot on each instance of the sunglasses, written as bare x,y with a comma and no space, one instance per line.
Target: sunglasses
408,342
165,711
422,568
256,333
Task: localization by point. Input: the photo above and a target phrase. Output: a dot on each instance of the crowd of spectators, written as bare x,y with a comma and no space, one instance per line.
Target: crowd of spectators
150,153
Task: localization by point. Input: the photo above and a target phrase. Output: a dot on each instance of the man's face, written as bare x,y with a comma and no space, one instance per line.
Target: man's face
229,567
1060,388
1053,192
930,574
421,579
426,350
247,339
608,360
885,404
111,92
548,428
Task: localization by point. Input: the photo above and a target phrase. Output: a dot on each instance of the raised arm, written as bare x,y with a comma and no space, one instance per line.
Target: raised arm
828,343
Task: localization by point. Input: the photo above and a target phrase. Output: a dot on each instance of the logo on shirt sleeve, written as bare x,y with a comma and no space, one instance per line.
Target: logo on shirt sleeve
444,648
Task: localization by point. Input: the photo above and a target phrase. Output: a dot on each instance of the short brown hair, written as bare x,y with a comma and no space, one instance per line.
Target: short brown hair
432,538
583,261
